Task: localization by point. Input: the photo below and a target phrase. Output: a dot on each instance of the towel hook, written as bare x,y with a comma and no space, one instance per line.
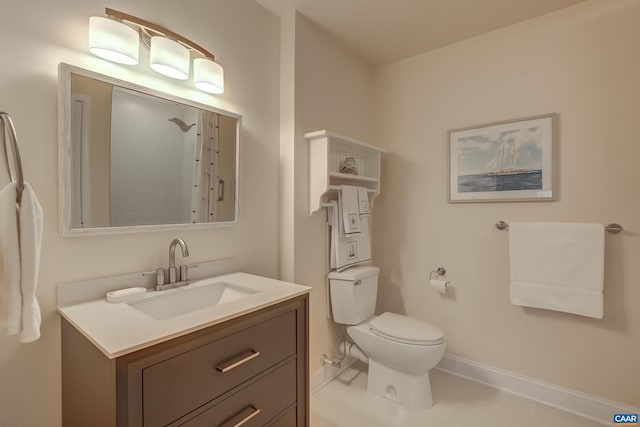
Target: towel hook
15,173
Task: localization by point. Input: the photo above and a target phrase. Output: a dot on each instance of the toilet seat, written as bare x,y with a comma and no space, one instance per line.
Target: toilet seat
407,330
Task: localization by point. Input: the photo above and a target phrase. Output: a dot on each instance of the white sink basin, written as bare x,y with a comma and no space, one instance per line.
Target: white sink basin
164,305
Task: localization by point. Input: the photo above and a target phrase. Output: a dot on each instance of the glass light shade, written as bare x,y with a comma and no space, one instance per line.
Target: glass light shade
208,76
169,57
113,40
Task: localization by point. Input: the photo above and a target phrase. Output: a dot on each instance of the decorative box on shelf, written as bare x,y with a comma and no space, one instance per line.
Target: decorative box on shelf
336,160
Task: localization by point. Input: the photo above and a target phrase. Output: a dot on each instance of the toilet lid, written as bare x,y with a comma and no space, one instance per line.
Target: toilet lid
405,329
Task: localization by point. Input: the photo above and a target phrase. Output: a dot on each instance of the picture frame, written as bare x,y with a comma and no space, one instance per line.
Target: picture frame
507,161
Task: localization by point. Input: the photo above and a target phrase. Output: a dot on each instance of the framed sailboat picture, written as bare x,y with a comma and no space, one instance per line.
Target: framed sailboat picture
503,162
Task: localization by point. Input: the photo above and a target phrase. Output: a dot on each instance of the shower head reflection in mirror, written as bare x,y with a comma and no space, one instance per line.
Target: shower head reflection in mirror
134,159
181,124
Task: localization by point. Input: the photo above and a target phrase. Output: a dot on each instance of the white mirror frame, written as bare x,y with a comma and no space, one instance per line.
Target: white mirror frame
65,153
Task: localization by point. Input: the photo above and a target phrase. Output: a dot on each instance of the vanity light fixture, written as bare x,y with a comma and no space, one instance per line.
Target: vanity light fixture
169,57
113,40
116,38
208,75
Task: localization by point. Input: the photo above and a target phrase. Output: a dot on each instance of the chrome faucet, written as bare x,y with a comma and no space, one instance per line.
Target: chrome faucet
173,271
177,277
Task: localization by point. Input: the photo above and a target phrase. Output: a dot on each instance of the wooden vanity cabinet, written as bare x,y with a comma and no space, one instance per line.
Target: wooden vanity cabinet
249,371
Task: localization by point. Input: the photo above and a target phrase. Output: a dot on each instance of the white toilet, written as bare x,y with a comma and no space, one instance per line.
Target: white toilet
401,349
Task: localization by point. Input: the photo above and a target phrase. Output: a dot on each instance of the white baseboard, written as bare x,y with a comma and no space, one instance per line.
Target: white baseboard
582,404
321,376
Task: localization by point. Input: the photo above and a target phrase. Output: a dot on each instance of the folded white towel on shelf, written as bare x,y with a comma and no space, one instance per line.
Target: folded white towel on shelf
557,266
350,211
363,201
20,246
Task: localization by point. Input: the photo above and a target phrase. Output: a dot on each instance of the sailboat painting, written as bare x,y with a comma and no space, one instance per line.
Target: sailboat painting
505,161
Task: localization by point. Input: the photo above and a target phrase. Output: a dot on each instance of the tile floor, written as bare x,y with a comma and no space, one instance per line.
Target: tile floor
458,403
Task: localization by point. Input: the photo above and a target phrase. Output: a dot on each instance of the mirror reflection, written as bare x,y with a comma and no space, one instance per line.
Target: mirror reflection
139,159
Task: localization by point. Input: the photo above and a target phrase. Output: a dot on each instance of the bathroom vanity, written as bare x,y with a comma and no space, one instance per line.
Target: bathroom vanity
243,362
223,350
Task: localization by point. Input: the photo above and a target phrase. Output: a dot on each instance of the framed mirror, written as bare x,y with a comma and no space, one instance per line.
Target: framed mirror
134,159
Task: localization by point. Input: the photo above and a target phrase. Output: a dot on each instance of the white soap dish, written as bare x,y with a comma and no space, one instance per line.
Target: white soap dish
127,294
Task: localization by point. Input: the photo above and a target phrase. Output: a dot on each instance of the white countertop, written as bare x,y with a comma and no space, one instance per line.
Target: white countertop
118,328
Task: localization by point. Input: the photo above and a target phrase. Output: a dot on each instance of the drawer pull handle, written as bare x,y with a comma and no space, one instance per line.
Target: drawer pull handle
232,423
237,361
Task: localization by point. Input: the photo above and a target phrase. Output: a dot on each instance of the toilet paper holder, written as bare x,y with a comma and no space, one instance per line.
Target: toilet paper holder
437,281
440,271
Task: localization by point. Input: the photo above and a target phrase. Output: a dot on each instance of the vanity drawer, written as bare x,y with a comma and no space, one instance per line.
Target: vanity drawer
256,404
288,419
178,385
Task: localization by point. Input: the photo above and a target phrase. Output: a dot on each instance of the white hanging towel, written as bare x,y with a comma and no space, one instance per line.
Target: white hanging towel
363,201
10,292
30,244
20,245
347,251
350,209
557,266
333,220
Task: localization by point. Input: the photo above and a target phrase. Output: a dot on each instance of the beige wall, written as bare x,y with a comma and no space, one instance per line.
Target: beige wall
287,187
583,63
333,92
35,37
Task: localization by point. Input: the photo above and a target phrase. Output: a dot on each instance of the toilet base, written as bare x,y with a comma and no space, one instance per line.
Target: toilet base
412,391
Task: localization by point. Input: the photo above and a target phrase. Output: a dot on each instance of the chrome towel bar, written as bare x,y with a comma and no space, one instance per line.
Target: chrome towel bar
612,228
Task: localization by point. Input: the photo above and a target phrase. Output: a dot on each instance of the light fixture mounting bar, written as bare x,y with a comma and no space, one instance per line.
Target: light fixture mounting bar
158,29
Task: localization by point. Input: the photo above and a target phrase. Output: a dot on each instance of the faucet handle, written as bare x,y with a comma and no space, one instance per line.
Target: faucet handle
159,273
160,276
184,271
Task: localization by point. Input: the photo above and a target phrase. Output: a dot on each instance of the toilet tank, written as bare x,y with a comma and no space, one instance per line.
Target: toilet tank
353,294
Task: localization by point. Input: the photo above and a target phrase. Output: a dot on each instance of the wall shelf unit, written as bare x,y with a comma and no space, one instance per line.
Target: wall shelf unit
327,151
